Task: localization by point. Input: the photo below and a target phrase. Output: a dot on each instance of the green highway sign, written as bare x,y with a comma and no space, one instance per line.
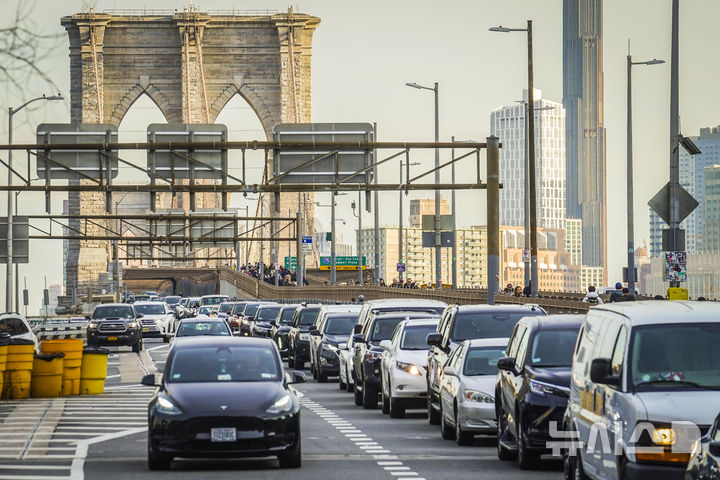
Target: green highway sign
290,263
342,263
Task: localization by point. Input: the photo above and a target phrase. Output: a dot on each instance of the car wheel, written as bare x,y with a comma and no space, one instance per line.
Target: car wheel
503,453
321,377
157,461
526,458
397,409
370,397
358,397
385,407
432,414
342,385
572,467
446,430
462,438
292,458
299,365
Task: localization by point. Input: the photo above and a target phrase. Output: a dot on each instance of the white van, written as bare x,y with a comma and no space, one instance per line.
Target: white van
645,385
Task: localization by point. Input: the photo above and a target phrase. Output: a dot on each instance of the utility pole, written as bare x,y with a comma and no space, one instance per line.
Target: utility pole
493,216
377,210
400,219
333,273
438,238
452,207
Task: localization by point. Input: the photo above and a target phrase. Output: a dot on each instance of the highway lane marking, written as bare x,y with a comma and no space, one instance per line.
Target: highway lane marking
389,463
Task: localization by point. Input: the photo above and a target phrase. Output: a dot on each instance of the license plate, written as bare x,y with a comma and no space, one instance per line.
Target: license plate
223,435
112,338
146,329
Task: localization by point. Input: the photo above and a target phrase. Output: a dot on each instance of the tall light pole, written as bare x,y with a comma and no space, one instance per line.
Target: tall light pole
438,240
359,235
630,210
531,156
9,271
17,276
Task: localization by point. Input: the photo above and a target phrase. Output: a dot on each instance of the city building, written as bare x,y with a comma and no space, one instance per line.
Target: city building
584,124
711,210
692,179
508,124
573,240
425,206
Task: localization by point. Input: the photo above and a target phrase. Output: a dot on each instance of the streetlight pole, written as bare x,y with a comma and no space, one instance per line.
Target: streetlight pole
400,224
359,235
9,270
438,240
452,211
333,273
631,279
534,281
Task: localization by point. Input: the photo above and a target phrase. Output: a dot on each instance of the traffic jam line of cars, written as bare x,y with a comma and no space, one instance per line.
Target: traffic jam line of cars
628,390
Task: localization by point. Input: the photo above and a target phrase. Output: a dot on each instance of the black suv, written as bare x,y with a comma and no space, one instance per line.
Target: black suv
533,386
280,331
115,324
332,331
467,322
368,354
299,335
264,320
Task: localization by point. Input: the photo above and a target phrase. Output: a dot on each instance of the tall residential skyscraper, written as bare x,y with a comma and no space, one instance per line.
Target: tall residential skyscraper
711,212
508,124
585,134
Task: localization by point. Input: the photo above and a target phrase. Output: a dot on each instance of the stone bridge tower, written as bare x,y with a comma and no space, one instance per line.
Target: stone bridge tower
190,64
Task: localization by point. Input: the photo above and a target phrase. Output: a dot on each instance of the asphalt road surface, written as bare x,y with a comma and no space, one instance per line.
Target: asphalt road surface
104,437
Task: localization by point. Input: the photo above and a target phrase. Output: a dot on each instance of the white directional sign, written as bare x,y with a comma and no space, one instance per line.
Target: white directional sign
307,245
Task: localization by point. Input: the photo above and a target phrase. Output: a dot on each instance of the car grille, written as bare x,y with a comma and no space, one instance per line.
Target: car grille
148,322
114,327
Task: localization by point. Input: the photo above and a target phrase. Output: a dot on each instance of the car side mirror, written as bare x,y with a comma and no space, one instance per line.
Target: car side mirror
359,338
601,372
298,377
506,363
714,448
149,381
434,339
87,317
139,315
357,328
386,345
315,332
450,371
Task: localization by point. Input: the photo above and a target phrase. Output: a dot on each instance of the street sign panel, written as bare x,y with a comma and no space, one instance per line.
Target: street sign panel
307,239
342,263
446,222
290,263
21,244
446,239
675,266
290,162
400,267
207,162
307,245
660,203
67,164
525,256
224,229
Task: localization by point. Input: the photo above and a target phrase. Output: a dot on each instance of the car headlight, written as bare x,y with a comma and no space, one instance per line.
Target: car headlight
281,405
166,406
132,324
410,368
92,325
305,337
542,388
480,397
342,346
370,355
327,346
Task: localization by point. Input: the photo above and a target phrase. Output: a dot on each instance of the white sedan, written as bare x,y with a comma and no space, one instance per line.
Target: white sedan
404,364
345,352
467,389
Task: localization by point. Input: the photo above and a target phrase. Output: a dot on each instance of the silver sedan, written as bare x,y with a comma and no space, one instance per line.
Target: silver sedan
467,389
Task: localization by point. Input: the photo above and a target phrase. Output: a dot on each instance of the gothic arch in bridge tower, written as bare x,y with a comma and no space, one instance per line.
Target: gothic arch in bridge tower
190,63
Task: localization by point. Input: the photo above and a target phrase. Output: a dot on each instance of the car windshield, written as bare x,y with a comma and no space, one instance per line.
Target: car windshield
238,308
415,337
287,315
482,360
226,307
191,329
205,310
384,327
308,316
251,309
266,314
676,357
340,325
488,324
150,309
113,312
172,300
553,348
213,300
224,364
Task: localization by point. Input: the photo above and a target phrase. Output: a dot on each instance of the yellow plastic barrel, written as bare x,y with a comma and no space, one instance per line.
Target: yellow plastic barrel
3,362
18,368
47,375
93,371
72,348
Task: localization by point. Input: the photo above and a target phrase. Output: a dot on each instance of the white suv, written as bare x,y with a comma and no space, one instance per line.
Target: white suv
17,326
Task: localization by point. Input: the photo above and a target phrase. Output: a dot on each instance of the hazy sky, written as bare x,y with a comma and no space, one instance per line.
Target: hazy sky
364,52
